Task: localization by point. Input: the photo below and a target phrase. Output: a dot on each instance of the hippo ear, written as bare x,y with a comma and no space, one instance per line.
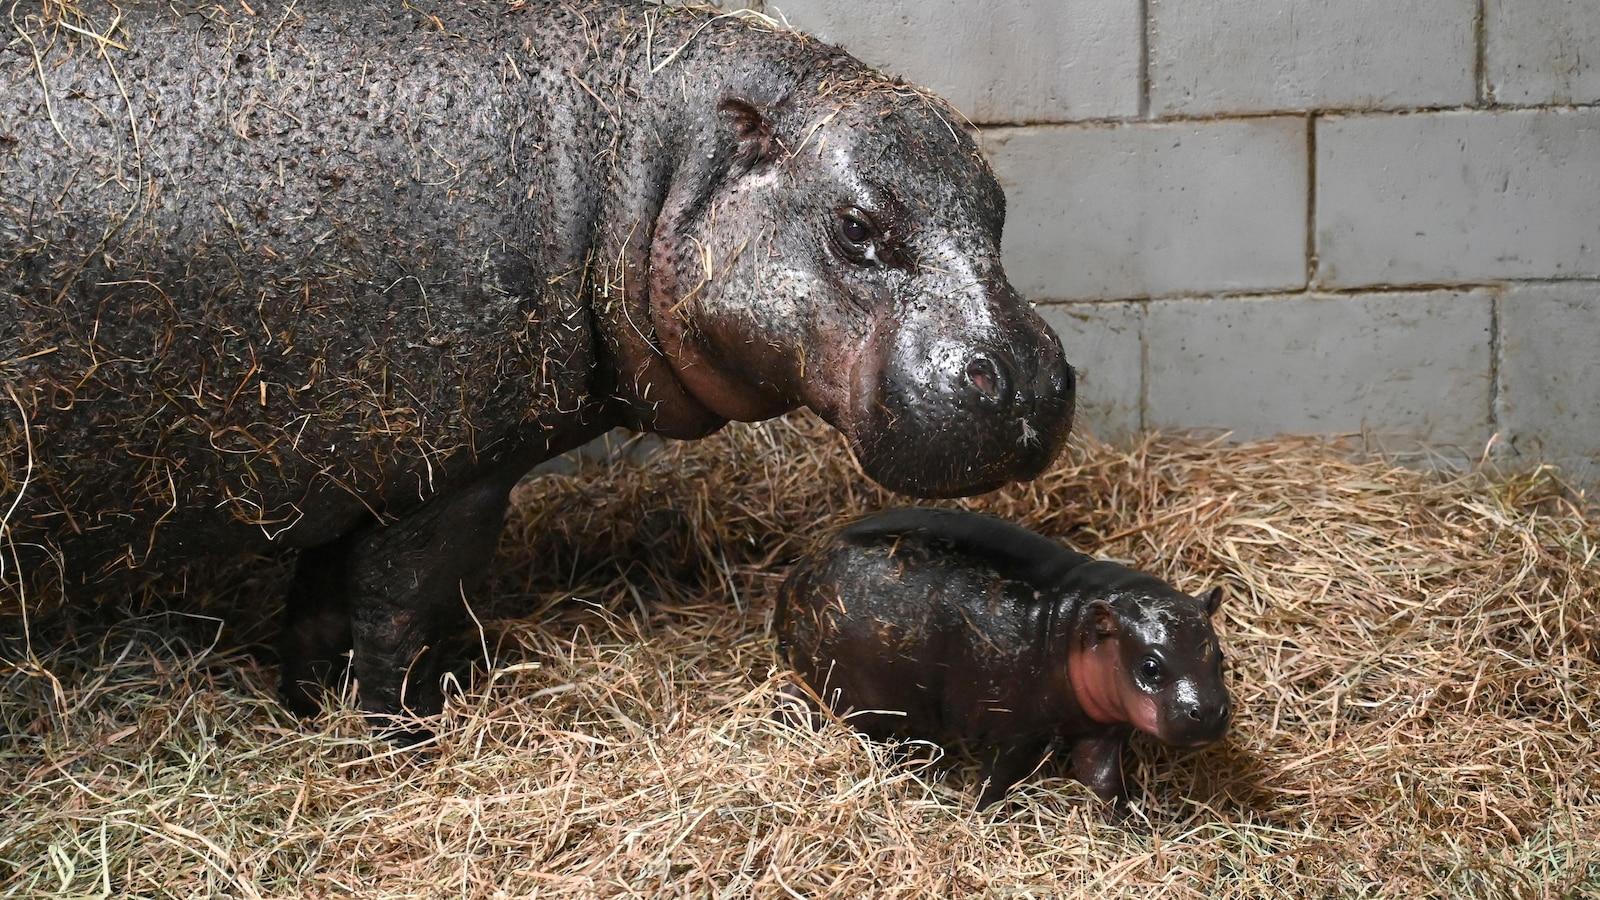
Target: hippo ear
1212,599
1103,619
752,131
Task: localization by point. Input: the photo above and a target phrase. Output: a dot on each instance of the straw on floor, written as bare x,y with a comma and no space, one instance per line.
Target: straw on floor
1415,659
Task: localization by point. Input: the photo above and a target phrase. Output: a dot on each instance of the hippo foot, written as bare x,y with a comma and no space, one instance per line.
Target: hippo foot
1119,811
405,732
1097,762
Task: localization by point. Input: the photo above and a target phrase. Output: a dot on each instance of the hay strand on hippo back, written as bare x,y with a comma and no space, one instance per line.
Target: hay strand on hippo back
332,276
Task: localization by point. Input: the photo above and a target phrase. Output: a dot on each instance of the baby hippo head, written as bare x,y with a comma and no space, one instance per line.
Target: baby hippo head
1145,654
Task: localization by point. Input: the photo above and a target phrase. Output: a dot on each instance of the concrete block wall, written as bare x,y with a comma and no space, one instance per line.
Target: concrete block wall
1276,216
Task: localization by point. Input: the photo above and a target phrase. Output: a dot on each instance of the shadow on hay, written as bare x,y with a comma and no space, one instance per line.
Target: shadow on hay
1225,781
100,652
1167,784
636,559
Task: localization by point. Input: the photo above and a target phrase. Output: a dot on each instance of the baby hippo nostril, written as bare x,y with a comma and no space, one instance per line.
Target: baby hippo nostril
987,377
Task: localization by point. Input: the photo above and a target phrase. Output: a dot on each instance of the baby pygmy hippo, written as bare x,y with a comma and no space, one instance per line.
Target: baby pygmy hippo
965,630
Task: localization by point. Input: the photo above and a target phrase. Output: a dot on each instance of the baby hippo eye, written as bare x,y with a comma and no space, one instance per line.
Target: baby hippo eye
1150,669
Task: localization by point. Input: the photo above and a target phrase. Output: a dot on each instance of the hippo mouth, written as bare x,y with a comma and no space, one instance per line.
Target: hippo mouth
918,458
943,421
1190,742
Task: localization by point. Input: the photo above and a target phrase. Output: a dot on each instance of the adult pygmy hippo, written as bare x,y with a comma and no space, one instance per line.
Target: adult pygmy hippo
963,629
332,275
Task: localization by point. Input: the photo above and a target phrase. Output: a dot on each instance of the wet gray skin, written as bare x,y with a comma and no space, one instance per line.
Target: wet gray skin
971,632
887,313
331,276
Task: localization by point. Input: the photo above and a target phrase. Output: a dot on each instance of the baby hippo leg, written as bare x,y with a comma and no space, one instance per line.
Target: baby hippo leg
1097,762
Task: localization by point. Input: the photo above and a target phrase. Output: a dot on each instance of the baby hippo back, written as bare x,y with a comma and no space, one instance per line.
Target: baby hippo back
919,623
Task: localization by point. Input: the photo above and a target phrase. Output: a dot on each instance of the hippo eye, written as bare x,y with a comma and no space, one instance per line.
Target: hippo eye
1150,670
856,235
854,230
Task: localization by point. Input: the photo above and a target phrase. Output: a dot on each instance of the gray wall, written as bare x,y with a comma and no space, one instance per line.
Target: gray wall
1291,215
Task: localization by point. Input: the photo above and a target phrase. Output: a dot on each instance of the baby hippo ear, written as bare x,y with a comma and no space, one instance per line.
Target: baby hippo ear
1212,599
1103,619
752,131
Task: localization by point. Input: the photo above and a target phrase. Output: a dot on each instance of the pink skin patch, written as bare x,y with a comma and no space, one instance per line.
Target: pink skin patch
1106,692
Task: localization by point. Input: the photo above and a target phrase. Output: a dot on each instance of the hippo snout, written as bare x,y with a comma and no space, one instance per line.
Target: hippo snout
1199,724
936,415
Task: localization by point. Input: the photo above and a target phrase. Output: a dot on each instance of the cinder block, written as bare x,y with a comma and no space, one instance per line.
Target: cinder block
1130,211
1406,367
1229,56
1019,61
1105,345
1542,51
1549,399
1457,197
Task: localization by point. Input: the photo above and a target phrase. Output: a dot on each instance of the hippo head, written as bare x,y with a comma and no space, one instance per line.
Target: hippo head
1146,655
849,260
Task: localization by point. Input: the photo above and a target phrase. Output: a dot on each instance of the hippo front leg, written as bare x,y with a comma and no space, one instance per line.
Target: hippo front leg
393,594
313,654
410,583
1097,762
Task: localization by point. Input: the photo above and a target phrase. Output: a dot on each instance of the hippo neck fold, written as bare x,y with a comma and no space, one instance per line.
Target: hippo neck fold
682,358
1093,667
646,385
683,153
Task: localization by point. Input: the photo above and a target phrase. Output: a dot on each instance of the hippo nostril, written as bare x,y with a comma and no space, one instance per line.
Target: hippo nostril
986,375
1219,717
1194,714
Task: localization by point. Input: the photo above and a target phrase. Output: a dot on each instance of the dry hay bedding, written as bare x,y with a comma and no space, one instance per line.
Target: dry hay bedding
1415,660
